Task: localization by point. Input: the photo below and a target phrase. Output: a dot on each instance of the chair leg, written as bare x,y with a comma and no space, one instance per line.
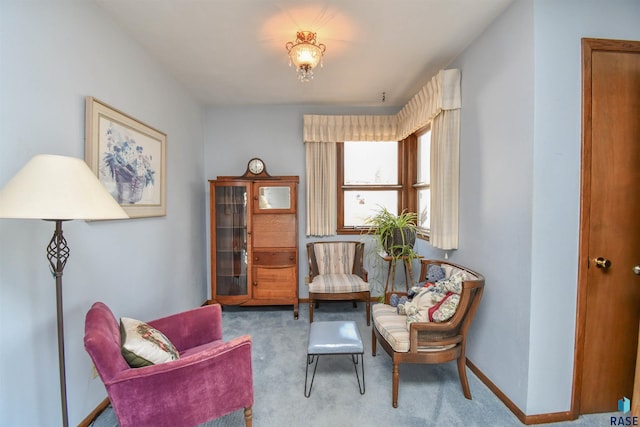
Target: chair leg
310,311
248,417
462,372
396,379
374,342
368,308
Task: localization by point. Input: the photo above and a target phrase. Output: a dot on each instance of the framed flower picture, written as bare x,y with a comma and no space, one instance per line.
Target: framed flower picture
128,157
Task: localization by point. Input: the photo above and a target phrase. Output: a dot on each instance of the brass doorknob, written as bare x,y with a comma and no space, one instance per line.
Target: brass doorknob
636,269
602,262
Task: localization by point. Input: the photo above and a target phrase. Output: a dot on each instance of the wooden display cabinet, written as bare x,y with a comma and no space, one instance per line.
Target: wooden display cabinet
254,241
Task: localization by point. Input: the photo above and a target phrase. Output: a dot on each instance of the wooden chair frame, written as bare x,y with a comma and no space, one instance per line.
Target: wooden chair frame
430,334
358,269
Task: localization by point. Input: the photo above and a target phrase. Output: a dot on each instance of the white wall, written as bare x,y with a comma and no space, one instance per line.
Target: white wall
52,55
496,149
520,162
559,26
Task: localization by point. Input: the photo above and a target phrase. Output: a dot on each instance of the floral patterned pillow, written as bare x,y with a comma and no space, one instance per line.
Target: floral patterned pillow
445,309
143,345
436,302
453,283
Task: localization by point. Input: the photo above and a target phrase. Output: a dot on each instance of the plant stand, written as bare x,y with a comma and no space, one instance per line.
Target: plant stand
391,270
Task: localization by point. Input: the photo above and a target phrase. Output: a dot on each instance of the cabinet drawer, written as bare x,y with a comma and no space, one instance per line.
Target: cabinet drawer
273,258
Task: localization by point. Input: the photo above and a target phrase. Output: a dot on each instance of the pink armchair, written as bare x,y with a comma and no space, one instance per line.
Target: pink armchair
211,378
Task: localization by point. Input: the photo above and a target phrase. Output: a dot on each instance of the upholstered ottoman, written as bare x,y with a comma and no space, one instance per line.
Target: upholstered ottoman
331,338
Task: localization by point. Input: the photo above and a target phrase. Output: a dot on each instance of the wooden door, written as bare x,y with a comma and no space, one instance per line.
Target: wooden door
609,290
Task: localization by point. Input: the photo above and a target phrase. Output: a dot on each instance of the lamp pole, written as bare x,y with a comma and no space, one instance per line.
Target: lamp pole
58,253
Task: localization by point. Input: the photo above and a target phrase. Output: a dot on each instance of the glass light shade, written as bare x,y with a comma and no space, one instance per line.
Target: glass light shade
305,54
57,188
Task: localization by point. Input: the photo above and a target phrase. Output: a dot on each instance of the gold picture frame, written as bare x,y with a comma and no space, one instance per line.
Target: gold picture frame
128,157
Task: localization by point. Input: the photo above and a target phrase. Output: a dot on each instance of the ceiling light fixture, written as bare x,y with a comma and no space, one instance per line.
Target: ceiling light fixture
305,53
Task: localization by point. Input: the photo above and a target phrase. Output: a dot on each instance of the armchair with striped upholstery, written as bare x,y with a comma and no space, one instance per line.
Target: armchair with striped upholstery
336,273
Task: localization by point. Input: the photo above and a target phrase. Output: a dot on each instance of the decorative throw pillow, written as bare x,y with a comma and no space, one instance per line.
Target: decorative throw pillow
143,345
437,302
435,273
453,283
445,309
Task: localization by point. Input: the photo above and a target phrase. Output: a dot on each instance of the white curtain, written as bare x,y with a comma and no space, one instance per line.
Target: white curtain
437,102
445,173
321,188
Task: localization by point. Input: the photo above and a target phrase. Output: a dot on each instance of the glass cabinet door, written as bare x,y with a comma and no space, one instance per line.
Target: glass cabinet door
231,240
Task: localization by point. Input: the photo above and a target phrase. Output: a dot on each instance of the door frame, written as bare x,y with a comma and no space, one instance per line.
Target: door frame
589,45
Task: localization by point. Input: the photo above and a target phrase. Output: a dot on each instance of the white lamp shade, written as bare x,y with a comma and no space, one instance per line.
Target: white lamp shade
57,188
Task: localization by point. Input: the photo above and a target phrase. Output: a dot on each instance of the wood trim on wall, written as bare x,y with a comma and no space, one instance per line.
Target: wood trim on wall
553,417
94,414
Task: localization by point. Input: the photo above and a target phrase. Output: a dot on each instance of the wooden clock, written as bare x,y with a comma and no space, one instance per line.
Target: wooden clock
256,169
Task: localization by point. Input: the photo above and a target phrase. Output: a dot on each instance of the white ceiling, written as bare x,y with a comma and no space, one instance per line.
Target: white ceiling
231,52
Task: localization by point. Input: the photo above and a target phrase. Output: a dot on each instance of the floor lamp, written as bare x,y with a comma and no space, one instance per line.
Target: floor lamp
58,188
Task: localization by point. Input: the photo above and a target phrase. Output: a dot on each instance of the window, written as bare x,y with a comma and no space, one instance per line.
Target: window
392,174
369,176
422,183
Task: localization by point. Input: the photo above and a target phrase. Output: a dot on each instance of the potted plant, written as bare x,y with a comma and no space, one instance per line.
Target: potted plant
396,234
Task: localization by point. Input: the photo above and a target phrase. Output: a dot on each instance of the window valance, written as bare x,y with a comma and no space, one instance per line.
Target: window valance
349,128
441,93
